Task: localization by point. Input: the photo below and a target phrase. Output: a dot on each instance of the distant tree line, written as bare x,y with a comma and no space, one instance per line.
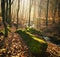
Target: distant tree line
53,6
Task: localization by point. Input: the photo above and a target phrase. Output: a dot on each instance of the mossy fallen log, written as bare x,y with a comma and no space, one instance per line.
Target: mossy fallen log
36,45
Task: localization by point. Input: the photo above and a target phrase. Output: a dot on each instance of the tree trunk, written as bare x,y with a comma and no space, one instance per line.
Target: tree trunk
59,12
18,13
34,16
4,17
47,13
29,14
54,11
9,12
39,13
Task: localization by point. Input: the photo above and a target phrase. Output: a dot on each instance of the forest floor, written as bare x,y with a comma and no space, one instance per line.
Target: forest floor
15,46
53,50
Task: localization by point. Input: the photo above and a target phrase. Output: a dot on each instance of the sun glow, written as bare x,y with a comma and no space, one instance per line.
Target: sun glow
23,10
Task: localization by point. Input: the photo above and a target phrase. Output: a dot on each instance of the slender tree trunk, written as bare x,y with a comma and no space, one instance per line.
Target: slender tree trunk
7,11
10,12
34,17
54,11
4,17
29,14
47,13
59,12
18,13
39,13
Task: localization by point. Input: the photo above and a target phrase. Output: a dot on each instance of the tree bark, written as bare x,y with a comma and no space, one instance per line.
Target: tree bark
4,16
18,13
39,13
47,13
10,12
59,12
29,14
7,11
54,11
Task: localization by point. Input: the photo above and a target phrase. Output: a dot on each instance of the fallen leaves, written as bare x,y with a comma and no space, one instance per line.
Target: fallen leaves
53,49
16,47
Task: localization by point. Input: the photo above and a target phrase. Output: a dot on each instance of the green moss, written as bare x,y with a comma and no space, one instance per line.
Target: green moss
34,31
35,44
2,31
